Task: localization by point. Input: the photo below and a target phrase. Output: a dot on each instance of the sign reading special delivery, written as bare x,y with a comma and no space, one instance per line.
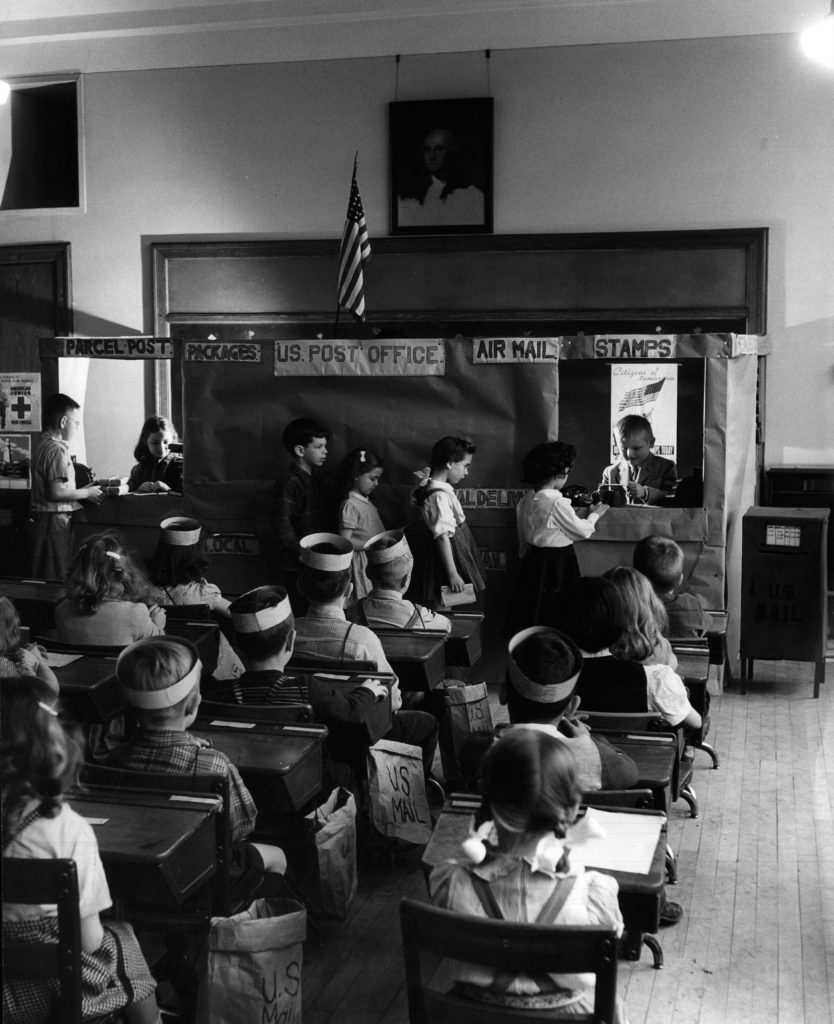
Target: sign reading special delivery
393,357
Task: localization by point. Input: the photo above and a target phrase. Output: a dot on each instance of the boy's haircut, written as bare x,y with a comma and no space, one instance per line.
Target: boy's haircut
633,426
388,575
450,449
660,560
263,643
542,675
301,432
529,783
590,610
322,586
160,678
55,408
546,461
10,636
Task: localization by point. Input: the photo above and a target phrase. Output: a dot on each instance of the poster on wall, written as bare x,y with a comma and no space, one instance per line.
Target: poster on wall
649,390
15,456
20,402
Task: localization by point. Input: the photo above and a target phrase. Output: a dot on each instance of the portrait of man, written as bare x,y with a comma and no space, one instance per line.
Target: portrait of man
441,166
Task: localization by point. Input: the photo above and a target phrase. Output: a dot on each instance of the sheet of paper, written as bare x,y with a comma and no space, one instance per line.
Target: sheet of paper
628,844
56,660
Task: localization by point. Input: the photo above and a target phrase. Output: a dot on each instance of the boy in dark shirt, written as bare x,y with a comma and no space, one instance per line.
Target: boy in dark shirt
301,500
660,560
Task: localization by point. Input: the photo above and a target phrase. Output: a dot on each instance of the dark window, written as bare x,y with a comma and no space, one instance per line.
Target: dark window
44,167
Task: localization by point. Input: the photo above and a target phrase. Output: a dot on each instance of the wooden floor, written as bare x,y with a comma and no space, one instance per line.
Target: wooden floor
756,879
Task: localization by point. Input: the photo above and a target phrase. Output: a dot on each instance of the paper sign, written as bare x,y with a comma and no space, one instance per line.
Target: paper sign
635,346
20,402
117,348
515,350
395,357
490,497
221,352
649,390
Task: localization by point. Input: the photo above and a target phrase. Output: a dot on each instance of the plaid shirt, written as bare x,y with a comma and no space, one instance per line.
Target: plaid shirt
325,632
300,506
266,687
175,753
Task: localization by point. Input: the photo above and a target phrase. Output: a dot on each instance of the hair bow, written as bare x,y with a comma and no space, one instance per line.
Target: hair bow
474,848
48,709
361,454
113,554
423,475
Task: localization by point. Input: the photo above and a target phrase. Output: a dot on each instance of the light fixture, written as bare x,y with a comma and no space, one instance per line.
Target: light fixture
818,40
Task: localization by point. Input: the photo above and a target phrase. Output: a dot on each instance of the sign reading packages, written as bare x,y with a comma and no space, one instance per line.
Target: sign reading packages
394,357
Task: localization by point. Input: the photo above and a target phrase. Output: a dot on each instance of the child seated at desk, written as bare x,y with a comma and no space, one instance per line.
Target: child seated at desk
591,612
40,764
660,560
17,658
325,580
160,678
542,675
642,638
530,795
389,566
109,598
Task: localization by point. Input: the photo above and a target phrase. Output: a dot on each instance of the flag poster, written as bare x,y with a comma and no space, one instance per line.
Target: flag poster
20,402
649,390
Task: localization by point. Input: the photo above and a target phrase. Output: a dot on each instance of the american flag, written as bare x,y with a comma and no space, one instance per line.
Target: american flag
354,253
641,396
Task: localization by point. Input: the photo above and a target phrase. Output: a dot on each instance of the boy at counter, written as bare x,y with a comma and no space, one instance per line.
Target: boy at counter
54,494
301,504
647,478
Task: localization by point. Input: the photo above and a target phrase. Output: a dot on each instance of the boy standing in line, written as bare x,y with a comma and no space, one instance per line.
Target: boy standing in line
54,494
301,501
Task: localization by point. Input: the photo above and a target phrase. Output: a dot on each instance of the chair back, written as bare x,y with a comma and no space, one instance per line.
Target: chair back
28,880
193,783
640,799
506,946
71,647
188,612
281,714
322,663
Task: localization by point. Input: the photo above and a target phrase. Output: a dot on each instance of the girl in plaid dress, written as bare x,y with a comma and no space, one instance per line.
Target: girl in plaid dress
448,556
40,764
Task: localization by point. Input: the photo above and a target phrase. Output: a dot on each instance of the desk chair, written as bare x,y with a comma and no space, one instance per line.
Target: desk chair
502,946
281,714
71,647
47,881
321,663
640,799
188,612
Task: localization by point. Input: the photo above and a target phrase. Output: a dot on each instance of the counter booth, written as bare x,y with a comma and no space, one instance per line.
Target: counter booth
506,340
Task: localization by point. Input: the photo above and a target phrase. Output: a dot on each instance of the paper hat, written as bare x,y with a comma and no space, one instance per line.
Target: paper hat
571,666
264,618
386,546
153,700
180,532
326,561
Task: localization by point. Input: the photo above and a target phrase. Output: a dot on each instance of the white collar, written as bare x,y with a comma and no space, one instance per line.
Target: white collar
604,653
325,611
361,497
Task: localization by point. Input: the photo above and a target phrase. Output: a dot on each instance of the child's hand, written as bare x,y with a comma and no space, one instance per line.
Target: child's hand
378,689
636,490
599,509
456,582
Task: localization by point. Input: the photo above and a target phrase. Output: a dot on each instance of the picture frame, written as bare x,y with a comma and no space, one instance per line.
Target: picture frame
441,166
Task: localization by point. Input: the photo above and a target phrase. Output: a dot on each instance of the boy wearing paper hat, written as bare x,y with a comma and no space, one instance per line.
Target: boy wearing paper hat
542,675
389,567
160,679
324,632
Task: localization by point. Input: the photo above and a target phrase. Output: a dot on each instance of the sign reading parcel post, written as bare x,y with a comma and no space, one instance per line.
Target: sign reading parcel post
393,357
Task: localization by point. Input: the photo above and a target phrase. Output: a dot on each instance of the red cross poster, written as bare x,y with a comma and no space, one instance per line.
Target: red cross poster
20,402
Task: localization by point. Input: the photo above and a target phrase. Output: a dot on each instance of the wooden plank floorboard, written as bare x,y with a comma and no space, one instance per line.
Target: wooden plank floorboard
756,868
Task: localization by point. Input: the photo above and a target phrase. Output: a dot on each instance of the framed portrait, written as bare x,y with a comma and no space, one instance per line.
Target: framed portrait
441,167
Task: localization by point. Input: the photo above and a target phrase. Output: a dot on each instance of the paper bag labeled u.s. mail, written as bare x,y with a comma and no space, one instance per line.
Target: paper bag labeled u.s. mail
399,808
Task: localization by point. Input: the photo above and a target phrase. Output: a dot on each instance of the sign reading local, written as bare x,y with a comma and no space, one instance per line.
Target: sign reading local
394,357
117,348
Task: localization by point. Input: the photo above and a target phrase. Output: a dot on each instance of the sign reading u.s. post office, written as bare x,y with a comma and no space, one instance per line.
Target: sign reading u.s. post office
394,357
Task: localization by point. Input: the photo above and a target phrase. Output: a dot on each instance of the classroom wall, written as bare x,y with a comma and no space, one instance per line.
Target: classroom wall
715,133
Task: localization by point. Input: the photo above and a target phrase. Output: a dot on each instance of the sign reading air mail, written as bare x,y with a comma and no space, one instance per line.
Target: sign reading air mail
635,346
117,348
515,350
394,357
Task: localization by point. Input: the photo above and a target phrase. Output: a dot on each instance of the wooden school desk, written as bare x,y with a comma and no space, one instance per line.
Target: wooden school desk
639,895
416,656
464,644
655,760
156,847
89,688
35,600
204,635
281,764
